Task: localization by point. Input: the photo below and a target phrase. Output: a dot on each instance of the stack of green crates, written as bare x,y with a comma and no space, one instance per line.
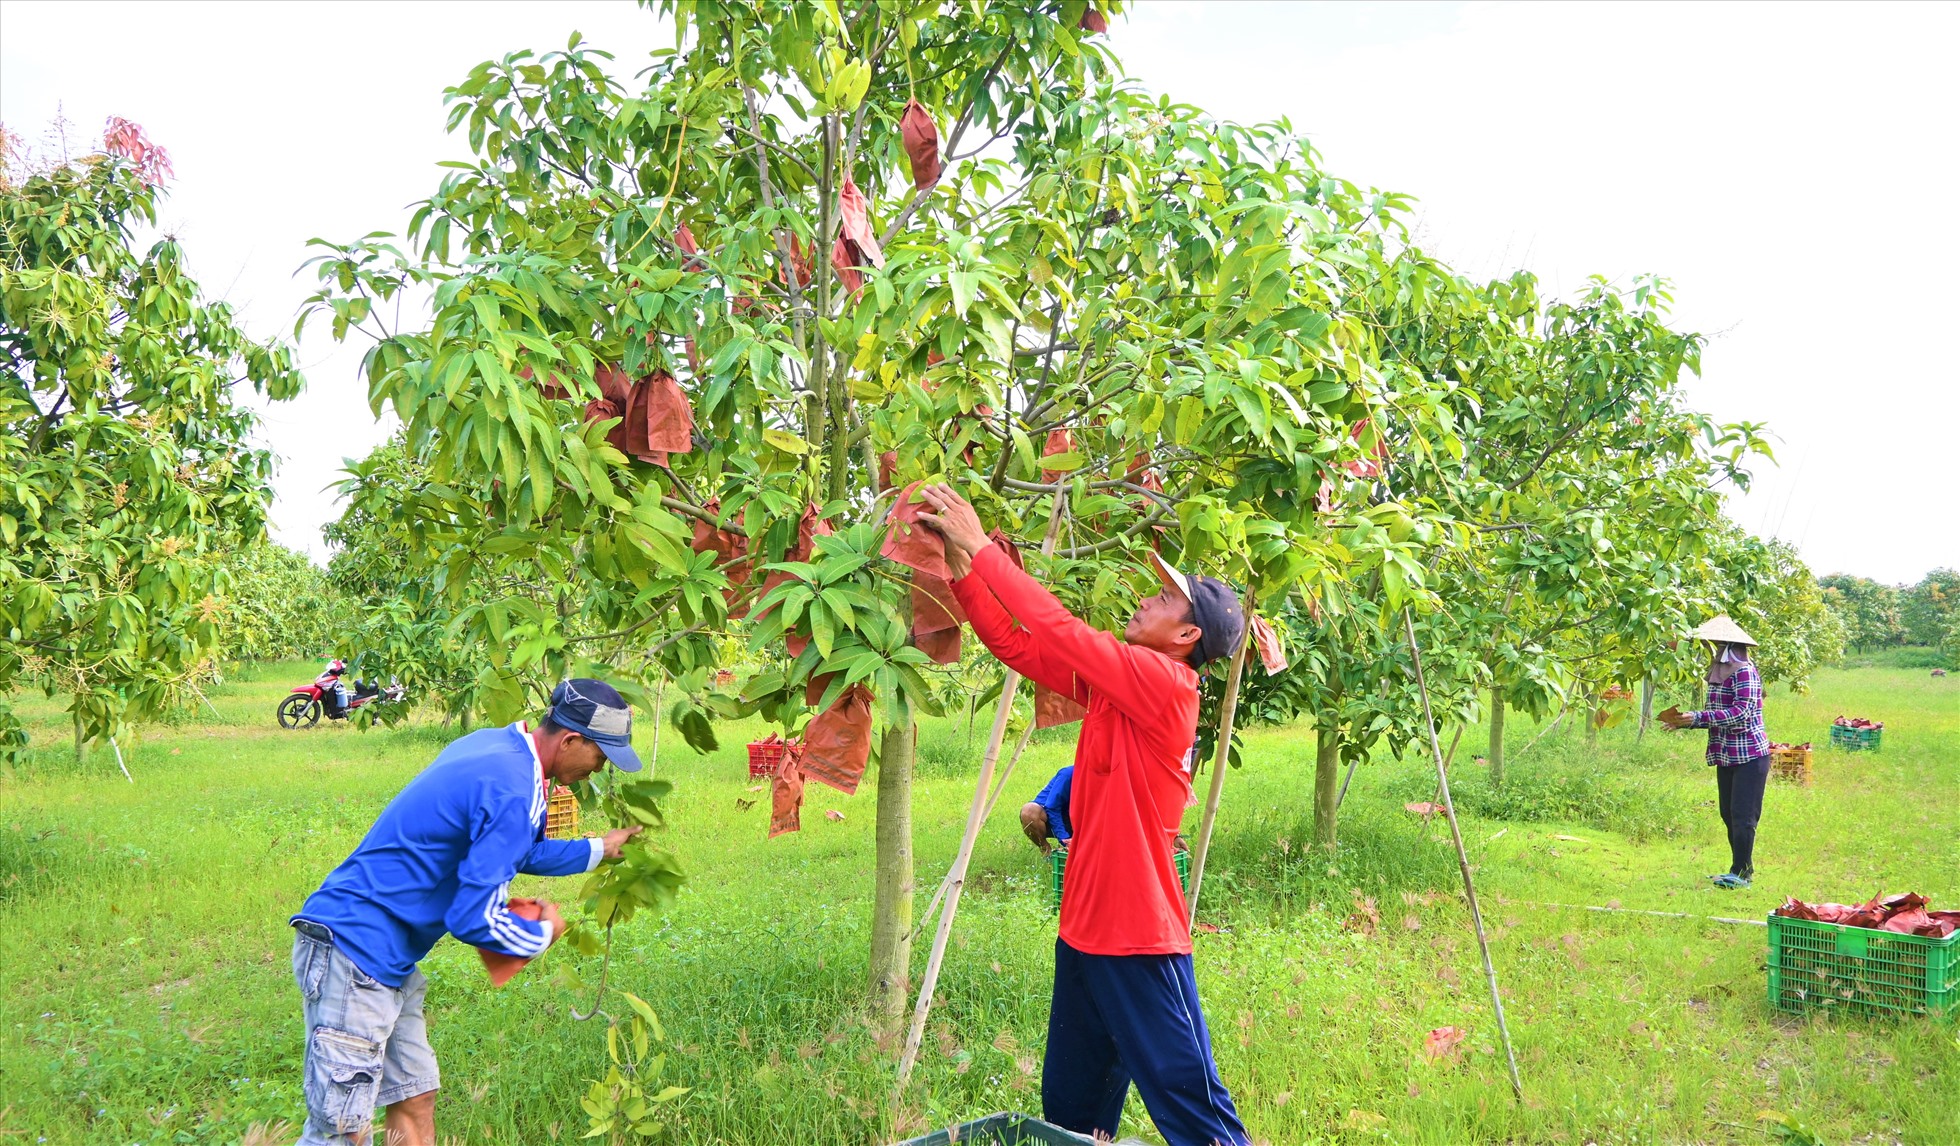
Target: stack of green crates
1831,967
1058,866
1855,739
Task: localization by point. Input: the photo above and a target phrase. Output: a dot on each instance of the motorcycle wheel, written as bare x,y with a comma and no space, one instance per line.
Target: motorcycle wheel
297,710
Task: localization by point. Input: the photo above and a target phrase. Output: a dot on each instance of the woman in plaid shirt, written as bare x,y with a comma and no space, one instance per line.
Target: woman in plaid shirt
1738,745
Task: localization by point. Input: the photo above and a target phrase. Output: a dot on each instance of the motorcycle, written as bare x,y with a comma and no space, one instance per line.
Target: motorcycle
328,694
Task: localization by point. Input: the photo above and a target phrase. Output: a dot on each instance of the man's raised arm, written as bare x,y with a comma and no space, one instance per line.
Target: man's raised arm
1132,679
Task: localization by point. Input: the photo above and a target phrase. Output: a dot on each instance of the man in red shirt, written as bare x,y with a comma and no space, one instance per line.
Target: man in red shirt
1125,1006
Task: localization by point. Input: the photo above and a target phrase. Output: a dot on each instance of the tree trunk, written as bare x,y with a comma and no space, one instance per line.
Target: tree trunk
1593,713
78,741
1496,736
1646,707
1326,785
891,921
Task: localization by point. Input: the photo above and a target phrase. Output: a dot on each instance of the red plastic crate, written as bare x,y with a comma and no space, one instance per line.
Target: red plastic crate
766,756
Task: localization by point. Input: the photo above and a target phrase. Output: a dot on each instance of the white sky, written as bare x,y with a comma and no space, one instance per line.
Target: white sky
1791,168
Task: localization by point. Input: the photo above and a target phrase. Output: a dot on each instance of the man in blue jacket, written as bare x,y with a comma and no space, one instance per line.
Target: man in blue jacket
439,860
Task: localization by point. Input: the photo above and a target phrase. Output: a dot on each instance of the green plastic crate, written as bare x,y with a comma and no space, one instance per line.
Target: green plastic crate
1000,1130
1831,967
1855,739
1058,866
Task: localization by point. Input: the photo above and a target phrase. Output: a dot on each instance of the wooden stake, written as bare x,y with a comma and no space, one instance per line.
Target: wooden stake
975,816
1462,857
1227,714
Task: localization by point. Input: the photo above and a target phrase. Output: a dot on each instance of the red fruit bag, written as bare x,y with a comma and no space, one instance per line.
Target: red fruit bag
1912,921
856,230
1051,708
786,797
887,469
614,385
1092,21
669,418
800,261
808,530
600,409
837,744
933,605
921,138
1272,654
1007,546
731,550
1059,442
842,261
1372,466
909,543
942,647
552,387
936,618
501,966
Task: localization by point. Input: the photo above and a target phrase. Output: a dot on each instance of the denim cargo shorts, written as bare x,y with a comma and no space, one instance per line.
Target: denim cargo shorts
366,1042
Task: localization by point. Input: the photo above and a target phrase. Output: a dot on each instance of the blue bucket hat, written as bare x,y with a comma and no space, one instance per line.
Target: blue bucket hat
596,711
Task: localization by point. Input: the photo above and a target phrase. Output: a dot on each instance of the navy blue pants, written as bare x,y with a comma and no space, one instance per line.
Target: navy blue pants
1118,1019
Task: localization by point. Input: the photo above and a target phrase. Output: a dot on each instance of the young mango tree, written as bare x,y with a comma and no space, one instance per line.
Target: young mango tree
683,340
126,473
1589,487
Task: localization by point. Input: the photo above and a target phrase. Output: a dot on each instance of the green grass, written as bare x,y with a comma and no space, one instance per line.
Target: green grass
149,1000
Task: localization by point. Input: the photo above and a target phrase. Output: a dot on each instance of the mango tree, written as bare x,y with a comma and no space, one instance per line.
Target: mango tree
1588,486
861,245
126,476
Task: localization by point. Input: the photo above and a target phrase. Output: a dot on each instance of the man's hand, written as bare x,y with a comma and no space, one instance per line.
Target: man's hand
1034,821
953,518
1674,718
548,915
617,838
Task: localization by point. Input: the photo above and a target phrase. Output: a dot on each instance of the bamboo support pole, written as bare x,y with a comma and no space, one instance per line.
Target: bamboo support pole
1345,781
1000,785
976,816
1462,857
1020,746
119,760
1227,714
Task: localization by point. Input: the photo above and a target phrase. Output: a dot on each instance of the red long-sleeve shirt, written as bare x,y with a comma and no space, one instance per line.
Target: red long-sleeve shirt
1122,895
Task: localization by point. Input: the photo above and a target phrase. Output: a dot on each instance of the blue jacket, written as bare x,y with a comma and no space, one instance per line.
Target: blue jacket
441,857
1054,799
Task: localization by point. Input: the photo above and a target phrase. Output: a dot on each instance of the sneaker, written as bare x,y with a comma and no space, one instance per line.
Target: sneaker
1729,881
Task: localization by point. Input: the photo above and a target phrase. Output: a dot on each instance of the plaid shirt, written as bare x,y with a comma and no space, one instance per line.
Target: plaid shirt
1734,719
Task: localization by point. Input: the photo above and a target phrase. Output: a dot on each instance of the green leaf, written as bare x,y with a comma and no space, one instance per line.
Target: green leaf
645,1010
966,287
1190,416
786,442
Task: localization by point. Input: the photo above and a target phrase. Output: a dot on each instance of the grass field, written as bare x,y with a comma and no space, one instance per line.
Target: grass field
149,997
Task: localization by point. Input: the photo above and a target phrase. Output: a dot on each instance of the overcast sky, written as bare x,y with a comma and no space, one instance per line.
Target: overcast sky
1790,168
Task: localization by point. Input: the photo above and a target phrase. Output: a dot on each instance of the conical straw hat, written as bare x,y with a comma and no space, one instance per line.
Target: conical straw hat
1724,630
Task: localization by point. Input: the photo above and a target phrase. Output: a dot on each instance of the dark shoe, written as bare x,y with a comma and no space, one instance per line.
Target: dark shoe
1729,881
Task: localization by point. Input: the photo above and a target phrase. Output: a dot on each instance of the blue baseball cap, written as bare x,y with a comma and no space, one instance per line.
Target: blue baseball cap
1215,609
596,711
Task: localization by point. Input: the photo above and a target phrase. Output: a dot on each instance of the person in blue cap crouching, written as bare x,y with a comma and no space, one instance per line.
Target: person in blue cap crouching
439,859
